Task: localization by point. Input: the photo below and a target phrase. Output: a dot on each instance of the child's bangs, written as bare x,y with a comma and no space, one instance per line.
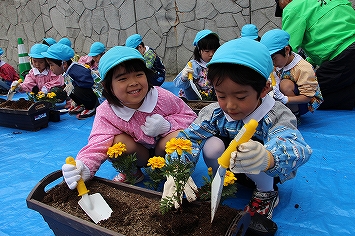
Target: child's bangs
133,65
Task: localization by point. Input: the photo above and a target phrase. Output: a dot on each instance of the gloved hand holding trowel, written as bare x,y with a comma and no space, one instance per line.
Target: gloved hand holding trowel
75,173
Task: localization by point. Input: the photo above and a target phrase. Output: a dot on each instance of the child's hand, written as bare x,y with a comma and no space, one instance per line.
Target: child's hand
279,96
73,173
190,190
185,72
155,125
250,157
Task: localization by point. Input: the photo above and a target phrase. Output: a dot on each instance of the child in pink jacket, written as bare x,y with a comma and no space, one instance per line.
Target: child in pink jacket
135,113
40,77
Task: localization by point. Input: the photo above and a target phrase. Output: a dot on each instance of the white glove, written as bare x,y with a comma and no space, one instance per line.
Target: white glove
250,157
279,96
68,88
68,83
190,190
155,125
72,174
44,90
14,84
185,72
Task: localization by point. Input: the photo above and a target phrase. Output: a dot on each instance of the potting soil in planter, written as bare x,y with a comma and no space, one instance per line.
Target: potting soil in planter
136,211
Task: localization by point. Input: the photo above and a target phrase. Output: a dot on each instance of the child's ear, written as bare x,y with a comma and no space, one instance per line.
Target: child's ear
266,89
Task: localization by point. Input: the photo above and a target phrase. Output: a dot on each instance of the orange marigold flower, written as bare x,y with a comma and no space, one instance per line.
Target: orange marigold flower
229,178
209,170
116,150
156,162
179,145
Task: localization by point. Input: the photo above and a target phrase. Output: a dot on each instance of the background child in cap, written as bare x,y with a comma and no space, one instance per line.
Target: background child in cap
152,60
7,75
239,72
250,31
40,77
67,42
325,29
91,60
206,43
49,41
59,57
135,113
296,83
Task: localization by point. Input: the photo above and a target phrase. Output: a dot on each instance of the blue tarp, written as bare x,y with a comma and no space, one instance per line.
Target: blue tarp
318,201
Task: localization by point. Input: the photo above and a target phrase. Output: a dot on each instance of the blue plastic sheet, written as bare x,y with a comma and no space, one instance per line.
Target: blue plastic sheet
318,201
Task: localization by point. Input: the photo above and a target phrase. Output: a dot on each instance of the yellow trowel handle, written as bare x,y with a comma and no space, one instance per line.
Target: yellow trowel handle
81,187
273,80
243,136
14,87
190,77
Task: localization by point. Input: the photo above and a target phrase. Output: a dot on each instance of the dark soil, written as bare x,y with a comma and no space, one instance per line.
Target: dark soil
134,214
196,106
21,104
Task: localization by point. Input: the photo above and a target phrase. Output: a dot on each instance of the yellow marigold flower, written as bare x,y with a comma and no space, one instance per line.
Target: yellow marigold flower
229,178
156,162
179,145
51,95
87,66
40,95
116,150
209,170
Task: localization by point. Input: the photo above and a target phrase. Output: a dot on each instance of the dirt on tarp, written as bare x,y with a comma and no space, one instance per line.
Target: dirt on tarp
21,104
135,214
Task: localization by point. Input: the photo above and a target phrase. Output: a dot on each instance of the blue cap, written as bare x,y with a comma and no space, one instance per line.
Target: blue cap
275,40
246,52
65,41
115,56
37,49
133,41
249,31
96,49
201,34
1,51
50,41
59,51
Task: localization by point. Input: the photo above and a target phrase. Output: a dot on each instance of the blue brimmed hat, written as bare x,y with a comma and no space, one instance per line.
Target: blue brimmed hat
246,52
115,56
37,49
1,51
96,49
133,41
249,31
59,51
201,34
275,40
49,41
65,41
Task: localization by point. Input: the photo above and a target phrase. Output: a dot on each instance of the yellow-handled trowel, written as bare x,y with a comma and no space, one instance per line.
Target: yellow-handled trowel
246,133
94,205
193,85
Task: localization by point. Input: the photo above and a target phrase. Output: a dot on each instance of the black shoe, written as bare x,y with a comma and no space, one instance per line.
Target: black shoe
261,225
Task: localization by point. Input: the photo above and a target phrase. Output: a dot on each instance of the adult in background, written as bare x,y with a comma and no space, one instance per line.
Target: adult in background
325,30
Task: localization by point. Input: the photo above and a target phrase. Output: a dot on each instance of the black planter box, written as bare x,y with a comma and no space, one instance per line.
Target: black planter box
63,223
32,119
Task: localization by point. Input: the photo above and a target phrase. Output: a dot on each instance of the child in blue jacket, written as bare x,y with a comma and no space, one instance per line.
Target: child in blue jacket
239,72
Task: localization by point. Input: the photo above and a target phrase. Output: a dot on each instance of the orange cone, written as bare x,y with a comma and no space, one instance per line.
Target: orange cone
24,65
